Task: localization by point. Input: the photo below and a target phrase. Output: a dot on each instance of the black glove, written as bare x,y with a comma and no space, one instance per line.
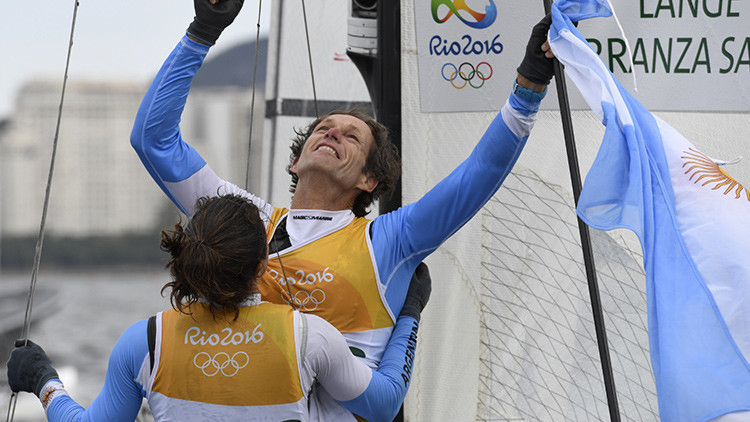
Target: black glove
534,66
211,19
419,292
29,368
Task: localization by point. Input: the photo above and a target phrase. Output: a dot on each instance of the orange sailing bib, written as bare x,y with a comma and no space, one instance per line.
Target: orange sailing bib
332,277
248,362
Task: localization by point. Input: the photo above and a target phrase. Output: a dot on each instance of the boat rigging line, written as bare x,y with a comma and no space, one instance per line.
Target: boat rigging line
317,115
250,143
252,101
309,56
40,238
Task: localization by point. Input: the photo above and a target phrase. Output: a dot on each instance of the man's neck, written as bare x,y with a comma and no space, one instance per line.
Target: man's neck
320,196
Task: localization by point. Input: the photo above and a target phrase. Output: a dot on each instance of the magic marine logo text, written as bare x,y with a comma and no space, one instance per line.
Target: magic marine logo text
462,11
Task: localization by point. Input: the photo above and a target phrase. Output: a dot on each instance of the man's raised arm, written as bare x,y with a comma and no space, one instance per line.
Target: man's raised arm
173,164
406,236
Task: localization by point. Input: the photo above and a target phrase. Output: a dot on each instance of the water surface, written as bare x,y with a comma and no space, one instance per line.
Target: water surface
92,309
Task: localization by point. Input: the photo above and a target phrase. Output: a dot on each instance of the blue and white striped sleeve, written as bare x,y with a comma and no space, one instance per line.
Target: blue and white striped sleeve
156,133
375,395
403,238
174,165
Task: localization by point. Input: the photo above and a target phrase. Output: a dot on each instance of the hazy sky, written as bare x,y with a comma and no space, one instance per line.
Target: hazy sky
114,40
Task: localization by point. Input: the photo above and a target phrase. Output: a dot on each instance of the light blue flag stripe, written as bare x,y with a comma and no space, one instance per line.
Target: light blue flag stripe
700,372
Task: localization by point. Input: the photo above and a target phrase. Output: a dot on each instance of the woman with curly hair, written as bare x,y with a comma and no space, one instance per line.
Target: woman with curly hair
221,353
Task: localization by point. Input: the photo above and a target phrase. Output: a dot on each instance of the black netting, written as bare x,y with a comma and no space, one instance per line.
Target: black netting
540,359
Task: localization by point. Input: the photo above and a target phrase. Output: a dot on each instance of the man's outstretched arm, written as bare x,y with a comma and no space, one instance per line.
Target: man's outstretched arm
174,165
404,237
156,133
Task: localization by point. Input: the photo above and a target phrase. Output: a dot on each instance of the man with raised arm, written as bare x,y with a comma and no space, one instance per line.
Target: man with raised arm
326,258
221,353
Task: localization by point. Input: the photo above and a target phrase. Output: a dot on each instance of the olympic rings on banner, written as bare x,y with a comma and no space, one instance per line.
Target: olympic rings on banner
221,362
308,301
467,73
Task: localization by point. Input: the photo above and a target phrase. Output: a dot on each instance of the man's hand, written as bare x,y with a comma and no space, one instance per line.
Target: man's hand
537,65
420,288
211,17
29,368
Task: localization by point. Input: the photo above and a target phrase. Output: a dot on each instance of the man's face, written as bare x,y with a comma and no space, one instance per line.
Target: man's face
337,151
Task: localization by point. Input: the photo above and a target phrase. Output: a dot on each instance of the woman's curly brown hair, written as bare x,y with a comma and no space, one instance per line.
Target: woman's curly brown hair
382,160
215,256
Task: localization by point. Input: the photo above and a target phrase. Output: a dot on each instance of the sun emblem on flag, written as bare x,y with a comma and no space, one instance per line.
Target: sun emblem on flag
700,165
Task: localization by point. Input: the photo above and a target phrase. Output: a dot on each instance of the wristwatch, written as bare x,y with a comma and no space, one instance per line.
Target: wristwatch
528,94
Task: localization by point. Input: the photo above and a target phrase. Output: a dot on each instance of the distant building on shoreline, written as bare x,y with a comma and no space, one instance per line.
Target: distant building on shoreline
99,186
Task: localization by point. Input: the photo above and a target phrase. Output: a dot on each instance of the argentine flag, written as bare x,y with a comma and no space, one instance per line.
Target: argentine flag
693,221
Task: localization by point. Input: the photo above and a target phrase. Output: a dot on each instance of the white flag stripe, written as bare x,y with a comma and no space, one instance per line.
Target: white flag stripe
705,216
590,76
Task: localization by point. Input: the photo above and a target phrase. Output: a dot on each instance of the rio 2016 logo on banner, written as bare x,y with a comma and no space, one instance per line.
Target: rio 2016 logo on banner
455,7
460,48
451,43
466,76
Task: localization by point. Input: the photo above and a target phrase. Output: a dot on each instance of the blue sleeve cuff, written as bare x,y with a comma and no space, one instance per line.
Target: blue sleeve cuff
524,100
195,45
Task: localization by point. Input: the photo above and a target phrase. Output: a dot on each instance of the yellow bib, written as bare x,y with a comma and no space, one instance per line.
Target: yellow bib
248,362
332,277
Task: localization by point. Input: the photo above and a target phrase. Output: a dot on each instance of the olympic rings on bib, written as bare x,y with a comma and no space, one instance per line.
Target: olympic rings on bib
466,72
221,362
309,301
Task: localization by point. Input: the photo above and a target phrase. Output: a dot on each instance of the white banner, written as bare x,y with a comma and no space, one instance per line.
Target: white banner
688,55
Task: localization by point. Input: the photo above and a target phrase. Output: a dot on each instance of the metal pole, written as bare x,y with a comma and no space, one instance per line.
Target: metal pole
388,103
588,256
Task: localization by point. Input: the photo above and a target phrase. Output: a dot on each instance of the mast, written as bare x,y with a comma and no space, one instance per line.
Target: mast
378,58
